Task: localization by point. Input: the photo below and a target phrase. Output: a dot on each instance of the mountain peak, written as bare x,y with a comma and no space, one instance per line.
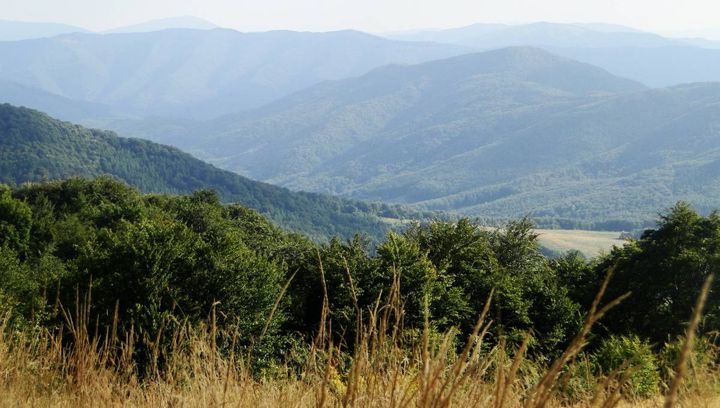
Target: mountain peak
534,65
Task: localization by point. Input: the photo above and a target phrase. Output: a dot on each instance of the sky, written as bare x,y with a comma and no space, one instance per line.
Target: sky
370,15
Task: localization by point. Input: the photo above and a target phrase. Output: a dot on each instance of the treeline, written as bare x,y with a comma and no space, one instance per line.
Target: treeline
148,263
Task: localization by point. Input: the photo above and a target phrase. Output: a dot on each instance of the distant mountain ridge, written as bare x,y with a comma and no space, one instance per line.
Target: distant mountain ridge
183,22
645,57
22,30
542,34
199,73
185,74
28,30
35,147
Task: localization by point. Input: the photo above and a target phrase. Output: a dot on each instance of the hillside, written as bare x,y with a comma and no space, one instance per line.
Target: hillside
56,105
35,147
421,107
500,134
198,73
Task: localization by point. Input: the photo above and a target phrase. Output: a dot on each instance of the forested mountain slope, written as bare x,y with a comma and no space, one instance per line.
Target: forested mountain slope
424,106
35,147
498,134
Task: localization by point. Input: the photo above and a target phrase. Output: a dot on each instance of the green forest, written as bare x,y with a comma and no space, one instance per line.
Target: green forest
495,215
150,263
35,147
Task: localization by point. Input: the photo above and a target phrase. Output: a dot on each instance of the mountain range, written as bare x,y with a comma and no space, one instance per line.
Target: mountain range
645,57
183,22
198,73
181,68
498,134
21,30
540,34
25,30
584,129
35,147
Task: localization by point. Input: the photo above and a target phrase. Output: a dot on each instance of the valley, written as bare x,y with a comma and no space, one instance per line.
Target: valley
289,204
491,121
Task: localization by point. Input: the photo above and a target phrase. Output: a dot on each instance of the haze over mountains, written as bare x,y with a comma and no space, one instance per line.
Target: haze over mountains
25,30
184,22
165,68
497,134
539,34
425,103
198,73
646,57
580,125
20,30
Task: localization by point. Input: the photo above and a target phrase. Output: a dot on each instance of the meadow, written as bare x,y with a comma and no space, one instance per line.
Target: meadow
589,243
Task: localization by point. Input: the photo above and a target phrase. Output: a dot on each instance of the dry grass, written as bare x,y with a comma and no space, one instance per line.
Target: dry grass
36,369
590,243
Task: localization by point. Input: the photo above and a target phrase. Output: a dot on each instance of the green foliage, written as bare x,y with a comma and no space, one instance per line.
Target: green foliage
158,261
15,221
35,147
18,288
465,265
665,270
581,381
420,287
447,271
578,276
633,361
704,355
530,293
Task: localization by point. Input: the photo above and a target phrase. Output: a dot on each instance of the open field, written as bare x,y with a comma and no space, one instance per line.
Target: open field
590,243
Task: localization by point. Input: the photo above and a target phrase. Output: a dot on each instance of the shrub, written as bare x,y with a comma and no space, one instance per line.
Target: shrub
581,383
704,355
633,360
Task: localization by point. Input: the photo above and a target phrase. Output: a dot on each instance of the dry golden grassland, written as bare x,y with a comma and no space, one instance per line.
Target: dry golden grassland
384,370
590,243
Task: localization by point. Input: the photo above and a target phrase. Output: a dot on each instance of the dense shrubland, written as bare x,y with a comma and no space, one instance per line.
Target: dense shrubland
158,288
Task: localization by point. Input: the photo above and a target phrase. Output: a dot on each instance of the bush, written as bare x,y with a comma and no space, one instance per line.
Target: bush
633,360
582,383
704,355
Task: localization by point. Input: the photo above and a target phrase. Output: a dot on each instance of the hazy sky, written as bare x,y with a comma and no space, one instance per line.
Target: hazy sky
369,15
